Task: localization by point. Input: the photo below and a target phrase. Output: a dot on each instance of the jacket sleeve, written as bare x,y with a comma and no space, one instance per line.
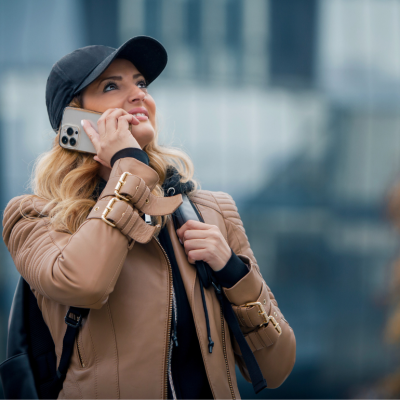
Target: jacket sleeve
273,344
81,269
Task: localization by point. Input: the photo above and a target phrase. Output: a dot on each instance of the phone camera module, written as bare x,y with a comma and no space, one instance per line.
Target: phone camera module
72,142
64,140
70,131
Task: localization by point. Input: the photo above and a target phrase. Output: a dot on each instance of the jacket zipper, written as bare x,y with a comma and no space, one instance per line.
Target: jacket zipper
224,343
171,345
225,355
79,352
169,342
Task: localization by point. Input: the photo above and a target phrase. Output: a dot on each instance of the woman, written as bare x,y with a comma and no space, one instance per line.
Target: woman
148,333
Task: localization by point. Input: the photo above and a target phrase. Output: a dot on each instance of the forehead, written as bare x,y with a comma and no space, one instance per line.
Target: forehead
120,66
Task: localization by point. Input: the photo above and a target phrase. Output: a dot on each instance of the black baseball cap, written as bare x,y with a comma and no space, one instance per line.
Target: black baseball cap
78,69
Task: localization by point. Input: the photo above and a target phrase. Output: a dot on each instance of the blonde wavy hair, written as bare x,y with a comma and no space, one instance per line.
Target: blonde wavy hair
67,179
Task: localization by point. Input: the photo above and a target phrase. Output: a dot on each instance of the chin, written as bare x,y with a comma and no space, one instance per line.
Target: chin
145,136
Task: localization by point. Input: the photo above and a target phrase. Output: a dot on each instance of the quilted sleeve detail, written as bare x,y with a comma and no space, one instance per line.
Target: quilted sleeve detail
77,270
237,237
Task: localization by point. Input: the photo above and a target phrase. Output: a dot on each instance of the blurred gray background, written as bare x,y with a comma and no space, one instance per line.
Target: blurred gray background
292,107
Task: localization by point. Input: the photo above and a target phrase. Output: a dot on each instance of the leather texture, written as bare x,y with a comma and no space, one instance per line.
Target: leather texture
124,278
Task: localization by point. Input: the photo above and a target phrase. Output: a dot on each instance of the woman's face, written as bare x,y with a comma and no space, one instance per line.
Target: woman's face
121,85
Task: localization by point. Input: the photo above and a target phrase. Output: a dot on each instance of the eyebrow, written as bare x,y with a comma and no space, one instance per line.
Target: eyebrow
118,78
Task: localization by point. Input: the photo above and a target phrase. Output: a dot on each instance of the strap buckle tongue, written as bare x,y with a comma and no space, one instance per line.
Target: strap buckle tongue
75,323
263,314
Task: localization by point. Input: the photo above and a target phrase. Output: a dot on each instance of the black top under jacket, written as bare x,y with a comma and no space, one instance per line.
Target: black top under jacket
188,372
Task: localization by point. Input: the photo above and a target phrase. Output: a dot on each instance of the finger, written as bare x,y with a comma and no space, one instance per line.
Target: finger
196,244
125,120
92,134
191,224
196,255
131,119
103,122
190,234
112,119
135,121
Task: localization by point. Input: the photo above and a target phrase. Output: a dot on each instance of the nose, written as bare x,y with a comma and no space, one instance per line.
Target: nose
136,94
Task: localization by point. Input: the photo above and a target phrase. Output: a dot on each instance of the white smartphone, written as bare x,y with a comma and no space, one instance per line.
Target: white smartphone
72,135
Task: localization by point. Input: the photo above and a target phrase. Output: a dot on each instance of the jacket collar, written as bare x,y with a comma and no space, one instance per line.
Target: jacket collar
172,184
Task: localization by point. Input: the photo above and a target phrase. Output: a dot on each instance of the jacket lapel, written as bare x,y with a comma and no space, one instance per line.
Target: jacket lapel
215,361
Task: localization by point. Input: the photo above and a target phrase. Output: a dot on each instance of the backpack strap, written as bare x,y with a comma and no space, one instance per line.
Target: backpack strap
257,379
73,319
256,376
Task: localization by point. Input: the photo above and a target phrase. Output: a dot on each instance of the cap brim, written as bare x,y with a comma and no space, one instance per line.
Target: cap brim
147,54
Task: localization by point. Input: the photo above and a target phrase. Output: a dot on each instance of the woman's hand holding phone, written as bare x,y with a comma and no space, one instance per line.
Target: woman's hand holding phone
113,134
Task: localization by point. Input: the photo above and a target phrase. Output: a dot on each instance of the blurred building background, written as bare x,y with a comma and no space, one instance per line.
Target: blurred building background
292,107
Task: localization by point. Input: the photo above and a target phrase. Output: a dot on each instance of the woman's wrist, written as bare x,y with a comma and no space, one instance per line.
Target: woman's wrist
134,152
234,270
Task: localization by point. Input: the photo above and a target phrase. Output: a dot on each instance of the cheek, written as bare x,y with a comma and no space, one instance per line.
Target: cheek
95,103
151,107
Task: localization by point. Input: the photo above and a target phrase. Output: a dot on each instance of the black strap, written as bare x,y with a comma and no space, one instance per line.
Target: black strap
73,325
256,376
186,211
206,277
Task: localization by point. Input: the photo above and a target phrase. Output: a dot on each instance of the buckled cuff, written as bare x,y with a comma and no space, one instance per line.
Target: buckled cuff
262,337
256,313
121,215
133,189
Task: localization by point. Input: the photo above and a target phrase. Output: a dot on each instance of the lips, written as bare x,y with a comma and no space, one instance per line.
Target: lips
140,113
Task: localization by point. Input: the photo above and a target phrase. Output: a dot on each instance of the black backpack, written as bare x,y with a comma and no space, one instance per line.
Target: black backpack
30,369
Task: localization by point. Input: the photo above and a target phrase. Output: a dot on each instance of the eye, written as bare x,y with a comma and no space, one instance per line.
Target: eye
142,84
110,84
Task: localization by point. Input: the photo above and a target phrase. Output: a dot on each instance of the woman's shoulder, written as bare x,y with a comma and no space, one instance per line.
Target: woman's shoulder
211,196
26,204
28,209
221,202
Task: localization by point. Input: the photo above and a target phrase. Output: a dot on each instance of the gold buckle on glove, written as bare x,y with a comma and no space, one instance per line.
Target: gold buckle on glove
264,315
107,211
121,183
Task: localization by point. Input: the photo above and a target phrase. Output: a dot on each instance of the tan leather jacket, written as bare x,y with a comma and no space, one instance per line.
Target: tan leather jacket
123,274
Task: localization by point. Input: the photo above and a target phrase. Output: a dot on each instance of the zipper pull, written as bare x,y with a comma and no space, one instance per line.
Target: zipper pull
174,334
210,344
217,288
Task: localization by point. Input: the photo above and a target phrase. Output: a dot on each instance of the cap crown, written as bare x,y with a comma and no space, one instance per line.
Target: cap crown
66,76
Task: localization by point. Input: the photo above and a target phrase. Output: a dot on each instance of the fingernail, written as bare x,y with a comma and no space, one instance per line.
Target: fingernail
82,121
180,240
